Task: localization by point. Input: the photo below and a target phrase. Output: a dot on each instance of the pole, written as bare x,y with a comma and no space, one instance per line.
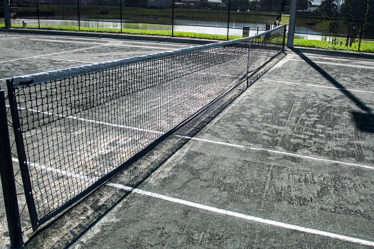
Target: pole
38,12
8,24
228,20
120,13
172,17
79,15
284,38
7,180
291,27
360,37
248,62
22,156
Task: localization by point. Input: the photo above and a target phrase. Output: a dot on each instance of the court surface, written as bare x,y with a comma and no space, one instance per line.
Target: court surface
288,164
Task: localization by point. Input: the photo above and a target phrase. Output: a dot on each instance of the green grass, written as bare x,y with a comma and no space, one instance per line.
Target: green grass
285,19
133,31
366,46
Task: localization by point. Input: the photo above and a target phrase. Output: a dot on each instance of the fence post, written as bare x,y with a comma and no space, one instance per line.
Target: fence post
172,17
228,20
79,15
120,13
7,180
360,37
284,37
8,23
38,12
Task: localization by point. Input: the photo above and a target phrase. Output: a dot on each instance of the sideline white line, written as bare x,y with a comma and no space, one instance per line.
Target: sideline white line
211,208
315,158
335,64
282,153
56,53
318,86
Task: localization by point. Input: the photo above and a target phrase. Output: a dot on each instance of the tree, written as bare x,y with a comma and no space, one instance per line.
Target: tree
329,8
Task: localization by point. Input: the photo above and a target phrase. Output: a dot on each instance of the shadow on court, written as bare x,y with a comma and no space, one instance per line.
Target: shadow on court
364,121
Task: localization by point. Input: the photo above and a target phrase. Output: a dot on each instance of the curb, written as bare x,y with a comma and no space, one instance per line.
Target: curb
109,35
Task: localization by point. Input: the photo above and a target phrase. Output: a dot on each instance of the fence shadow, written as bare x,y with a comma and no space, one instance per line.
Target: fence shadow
364,120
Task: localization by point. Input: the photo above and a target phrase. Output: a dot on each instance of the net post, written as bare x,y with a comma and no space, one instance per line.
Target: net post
248,62
7,180
8,23
172,17
22,156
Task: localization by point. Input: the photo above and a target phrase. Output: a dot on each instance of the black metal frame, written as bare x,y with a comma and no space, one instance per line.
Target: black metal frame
22,157
8,181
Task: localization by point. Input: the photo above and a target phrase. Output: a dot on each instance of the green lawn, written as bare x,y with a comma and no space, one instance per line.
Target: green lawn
134,31
366,46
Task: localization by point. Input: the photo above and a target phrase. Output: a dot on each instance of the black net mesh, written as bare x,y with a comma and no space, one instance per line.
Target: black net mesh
77,129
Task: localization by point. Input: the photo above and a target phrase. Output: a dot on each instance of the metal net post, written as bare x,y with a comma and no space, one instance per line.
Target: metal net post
8,181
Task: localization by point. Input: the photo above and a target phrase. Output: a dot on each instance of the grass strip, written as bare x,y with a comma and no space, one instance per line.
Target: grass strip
366,46
132,31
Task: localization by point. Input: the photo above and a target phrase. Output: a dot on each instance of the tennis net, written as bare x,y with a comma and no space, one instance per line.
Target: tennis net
77,127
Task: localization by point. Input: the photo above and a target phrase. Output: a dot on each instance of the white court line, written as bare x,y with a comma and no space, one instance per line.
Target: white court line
326,57
79,61
369,167
56,53
212,209
335,64
319,86
91,42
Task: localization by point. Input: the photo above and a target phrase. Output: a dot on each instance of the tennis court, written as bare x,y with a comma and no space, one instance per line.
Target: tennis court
287,164
284,166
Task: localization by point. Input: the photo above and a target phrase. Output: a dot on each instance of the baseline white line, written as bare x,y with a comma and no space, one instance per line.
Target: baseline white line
91,42
315,158
319,86
56,53
58,59
211,208
326,57
335,64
